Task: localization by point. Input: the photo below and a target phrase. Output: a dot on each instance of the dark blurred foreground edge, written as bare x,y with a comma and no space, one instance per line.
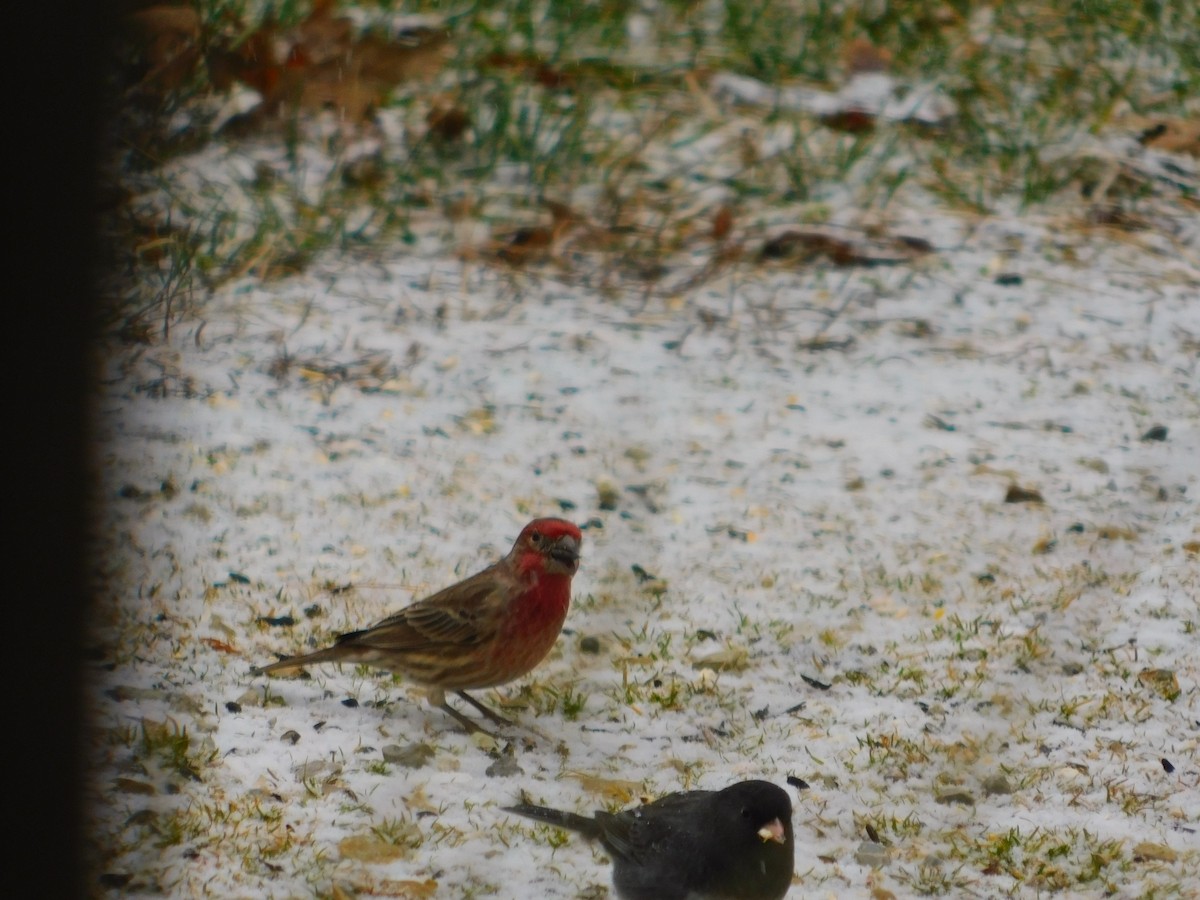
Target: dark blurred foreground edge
52,145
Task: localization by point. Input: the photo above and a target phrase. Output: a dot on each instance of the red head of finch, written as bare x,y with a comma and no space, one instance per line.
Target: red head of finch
484,631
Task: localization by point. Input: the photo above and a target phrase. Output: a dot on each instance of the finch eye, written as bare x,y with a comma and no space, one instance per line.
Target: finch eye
536,537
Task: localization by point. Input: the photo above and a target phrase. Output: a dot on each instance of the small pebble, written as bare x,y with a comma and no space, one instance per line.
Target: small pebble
142,817
1157,433
411,756
503,767
997,784
962,798
291,736
870,853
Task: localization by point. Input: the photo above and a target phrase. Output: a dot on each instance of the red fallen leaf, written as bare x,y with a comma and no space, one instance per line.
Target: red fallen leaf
448,123
297,58
722,223
852,121
555,79
520,246
501,60
218,645
252,62
534,242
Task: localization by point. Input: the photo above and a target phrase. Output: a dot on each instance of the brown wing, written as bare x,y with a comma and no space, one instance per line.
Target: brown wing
457,615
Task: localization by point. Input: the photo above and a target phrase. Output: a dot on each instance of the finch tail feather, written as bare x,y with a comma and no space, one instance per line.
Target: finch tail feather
329,654
586,826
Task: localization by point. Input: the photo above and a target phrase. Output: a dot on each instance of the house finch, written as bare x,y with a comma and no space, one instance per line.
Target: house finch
732,844
484,631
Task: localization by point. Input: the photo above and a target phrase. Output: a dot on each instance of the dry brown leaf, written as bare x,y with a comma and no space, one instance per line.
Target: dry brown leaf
804,246
722,223
534,243
448,123
321,37
406,888
1162,681
878,250
560,212
1018,494
252,62
326,65
860,55
167,21
532,67
170,40
1157,852
418,53
338,87
370,849
1173,136
1109,215
618,789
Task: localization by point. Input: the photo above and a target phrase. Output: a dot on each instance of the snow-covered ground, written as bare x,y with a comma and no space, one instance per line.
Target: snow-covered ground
831,584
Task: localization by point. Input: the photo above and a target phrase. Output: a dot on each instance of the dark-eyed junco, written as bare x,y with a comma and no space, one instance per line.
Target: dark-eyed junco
732,844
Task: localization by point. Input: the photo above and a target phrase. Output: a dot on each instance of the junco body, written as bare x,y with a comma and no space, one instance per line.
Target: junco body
732,844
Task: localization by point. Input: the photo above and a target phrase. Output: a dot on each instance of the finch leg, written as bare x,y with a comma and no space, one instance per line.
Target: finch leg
495,717
466,723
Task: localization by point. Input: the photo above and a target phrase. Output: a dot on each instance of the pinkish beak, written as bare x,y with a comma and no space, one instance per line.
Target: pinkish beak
772,831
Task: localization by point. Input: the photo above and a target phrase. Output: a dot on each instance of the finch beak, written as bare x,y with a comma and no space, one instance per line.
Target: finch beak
565,550
772,831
